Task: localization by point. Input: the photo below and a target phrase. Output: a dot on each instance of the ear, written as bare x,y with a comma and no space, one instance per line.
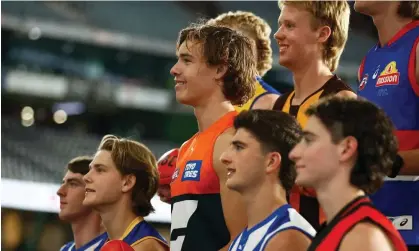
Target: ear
347,148
128,182
324,33
273,162
221,70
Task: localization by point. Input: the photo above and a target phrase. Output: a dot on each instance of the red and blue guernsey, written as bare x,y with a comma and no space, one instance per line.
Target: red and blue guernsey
387,78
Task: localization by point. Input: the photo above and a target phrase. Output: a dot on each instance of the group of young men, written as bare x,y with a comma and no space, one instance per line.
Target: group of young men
290,171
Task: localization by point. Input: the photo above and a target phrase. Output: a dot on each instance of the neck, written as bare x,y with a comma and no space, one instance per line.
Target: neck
388,25
86,229
116,219
259,206
209,113
335,195
308,79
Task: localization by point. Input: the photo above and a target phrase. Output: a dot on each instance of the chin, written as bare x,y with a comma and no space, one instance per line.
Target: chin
362,7
231,185
284,62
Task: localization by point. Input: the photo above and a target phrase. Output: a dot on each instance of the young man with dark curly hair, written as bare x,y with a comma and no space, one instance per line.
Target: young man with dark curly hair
347,149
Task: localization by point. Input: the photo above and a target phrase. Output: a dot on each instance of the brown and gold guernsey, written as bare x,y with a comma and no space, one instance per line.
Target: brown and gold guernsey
197,216
304,200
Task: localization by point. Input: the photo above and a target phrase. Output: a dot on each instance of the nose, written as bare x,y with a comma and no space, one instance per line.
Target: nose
175,70
295,153
87,177
61,191
226,158
279,34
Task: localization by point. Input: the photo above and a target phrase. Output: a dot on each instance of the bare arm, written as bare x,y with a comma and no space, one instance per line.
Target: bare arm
150,245
266,102
233,207
289,240
366,237
411,160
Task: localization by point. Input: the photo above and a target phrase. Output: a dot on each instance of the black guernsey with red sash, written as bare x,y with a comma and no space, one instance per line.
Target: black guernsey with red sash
330,236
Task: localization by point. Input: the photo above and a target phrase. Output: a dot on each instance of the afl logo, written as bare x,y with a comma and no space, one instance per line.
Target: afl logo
363,82
175,174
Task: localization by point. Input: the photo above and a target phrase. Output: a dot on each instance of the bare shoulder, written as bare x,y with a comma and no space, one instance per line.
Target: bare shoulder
368,237
221,144
150,244
266,102
346,94
289,240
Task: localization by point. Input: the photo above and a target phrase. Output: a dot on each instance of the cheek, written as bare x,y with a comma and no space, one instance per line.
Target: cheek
315,153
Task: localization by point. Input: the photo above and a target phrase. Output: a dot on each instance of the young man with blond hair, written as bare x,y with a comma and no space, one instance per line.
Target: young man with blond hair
311,37
120,184
259,32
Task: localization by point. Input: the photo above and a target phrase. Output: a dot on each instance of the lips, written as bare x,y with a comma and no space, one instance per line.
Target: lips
179,84
89,190
62,204
230,171
283,48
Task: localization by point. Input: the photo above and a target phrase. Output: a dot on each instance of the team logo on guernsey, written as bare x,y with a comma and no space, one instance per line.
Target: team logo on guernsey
175,174
192,171
363,82
389,76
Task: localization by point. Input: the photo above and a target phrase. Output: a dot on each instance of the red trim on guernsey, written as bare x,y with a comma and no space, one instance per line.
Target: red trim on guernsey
411,68
408,139
403,31
361,70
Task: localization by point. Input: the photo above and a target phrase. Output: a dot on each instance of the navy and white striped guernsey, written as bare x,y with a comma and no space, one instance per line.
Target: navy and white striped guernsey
93,245
257,237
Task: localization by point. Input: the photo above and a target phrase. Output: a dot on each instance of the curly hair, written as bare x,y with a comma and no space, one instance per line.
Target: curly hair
409,9
131,157
370,126
256,28
224,46
334,14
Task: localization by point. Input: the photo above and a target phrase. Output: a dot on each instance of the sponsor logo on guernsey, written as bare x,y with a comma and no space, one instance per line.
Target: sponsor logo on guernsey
404,222
192,171
389,76
363,82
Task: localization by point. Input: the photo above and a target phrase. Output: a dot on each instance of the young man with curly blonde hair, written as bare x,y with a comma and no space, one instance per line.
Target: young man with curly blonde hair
259,32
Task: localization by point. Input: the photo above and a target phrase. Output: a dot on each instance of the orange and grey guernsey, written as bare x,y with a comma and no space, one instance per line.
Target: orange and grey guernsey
197,215
304,200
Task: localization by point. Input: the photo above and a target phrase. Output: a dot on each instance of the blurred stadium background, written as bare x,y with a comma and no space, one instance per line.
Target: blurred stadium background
74,71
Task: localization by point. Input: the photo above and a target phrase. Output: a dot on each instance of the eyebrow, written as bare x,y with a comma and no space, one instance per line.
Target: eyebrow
97,165
185,55
238,143
309,134
72,180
